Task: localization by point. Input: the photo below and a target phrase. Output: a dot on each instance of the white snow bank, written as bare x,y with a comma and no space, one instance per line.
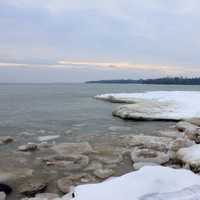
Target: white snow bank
135,185
173,104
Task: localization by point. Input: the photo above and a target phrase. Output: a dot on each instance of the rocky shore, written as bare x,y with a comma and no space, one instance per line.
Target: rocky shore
49,170
46,171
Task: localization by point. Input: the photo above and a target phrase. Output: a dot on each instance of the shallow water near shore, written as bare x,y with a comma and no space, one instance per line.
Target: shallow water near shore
47,109
69,111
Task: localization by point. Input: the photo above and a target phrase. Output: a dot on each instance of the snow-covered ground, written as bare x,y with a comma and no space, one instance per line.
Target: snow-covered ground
148,183
158,105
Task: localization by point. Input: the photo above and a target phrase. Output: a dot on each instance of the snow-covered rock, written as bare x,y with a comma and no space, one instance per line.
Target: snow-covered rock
142,184
190,155
162,105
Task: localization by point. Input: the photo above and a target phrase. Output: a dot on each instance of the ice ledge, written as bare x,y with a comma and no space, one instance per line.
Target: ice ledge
162,105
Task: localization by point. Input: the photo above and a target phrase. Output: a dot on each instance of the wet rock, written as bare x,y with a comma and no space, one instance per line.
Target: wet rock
32,187
64,185
6,139
147,141
109,158
2,196
139,165
28,147
5,188
72,148
103,173
71,162
149,155
174,134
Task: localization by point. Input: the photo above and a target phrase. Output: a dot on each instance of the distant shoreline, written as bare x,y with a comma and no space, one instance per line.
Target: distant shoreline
159,81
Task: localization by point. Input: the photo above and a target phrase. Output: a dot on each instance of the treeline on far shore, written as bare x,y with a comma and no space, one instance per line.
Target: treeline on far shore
164,81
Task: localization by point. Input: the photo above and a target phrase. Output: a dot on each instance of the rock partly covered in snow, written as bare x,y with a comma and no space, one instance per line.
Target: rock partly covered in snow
190,155
6,139
28,147
162,105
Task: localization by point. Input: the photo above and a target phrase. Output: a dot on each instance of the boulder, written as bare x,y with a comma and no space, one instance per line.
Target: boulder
6,139
190,155
32,187
4,188
149,155
64,185
147,141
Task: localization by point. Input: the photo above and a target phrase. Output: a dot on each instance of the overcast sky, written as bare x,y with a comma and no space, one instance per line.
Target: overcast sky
79,40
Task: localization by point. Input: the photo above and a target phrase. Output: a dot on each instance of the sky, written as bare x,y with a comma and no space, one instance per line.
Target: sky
81,40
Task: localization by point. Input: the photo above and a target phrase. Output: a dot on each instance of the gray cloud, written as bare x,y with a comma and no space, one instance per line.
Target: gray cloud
139,32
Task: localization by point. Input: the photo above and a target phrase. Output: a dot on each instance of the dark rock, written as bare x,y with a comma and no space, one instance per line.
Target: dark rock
5,188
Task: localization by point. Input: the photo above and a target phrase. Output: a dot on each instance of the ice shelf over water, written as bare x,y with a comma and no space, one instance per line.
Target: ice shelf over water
152,182
159,105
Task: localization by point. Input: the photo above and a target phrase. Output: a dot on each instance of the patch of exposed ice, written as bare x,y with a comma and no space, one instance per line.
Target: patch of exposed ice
160,181
48,137
158,105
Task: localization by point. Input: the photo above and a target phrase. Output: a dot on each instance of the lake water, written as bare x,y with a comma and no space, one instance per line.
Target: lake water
49,109
28,111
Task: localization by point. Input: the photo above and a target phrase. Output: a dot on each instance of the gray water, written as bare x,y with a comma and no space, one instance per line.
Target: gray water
60,108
